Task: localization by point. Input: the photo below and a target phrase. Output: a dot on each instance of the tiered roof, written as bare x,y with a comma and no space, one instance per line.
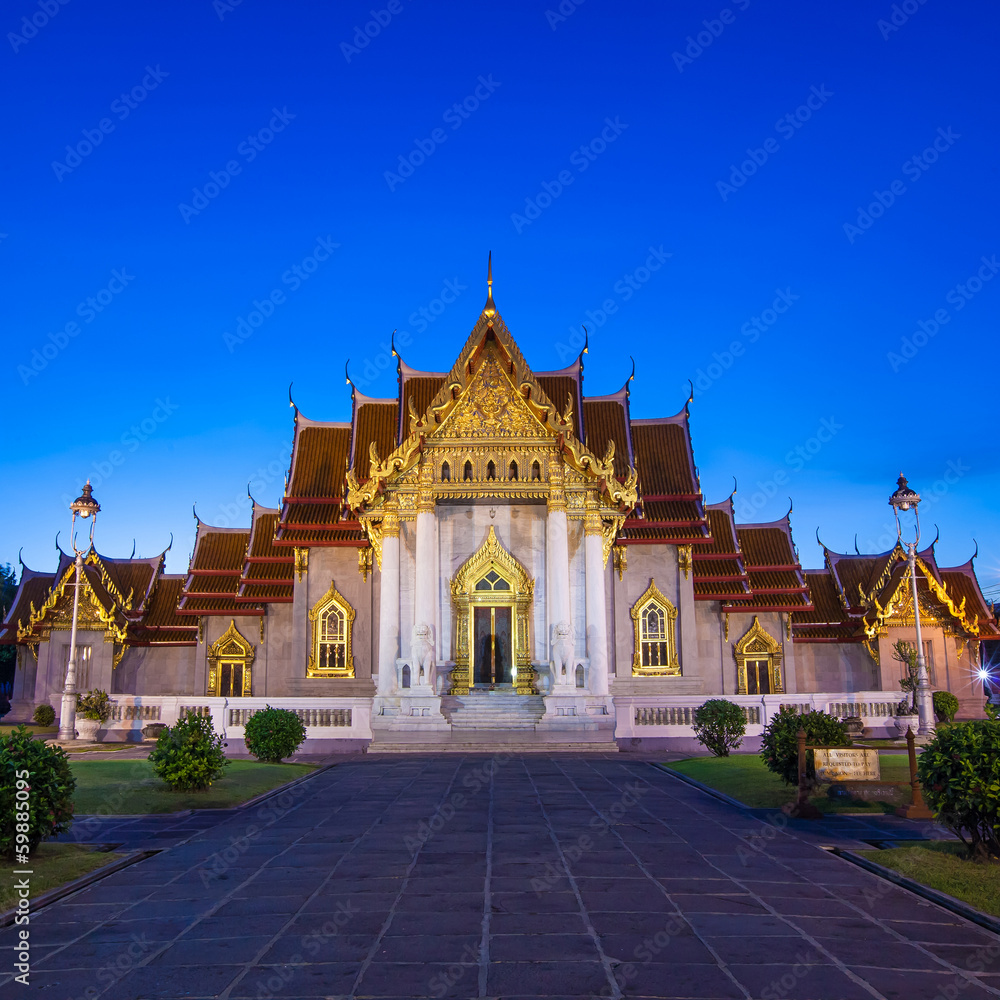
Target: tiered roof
215,571
854,595
267,568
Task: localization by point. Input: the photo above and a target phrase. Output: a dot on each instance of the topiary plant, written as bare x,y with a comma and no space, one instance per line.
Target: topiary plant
44,715
36,792
94,705
720,725
959,772
945,706
273,734
779,744
189,756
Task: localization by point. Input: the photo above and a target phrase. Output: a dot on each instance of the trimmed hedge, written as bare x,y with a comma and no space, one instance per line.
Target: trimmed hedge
273,734
779,745
720,725
189,756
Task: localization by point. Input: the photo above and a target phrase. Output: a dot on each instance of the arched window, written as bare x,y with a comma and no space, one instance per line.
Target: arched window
512,472
491,469
330,653
467,473
758,662
536,472
446,473
655,623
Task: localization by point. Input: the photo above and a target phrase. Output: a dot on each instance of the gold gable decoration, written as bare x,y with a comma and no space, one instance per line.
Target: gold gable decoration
757,644
491,431
491,555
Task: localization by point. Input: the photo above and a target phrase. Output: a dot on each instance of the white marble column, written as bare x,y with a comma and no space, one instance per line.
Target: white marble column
388,612
597,625
557,578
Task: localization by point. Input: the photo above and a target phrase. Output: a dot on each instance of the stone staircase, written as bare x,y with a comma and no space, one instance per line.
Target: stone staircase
495,710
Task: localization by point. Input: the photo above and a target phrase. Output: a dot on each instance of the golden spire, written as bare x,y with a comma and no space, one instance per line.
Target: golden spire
489,309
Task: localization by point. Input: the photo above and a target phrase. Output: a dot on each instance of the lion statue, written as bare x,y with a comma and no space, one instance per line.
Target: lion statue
561,641
422,655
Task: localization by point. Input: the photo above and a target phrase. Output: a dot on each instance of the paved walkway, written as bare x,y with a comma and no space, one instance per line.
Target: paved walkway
499,877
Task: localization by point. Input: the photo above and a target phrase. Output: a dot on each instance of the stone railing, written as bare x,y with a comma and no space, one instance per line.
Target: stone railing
639,714
339,718
311,717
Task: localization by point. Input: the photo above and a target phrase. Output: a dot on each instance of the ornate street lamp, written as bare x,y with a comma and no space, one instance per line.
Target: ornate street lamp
905,499
83,506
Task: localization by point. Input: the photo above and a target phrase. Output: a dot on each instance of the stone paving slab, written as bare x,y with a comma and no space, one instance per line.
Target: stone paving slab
469,876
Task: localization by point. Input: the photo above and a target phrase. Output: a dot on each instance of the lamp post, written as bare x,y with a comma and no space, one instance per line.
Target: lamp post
83,506
902,500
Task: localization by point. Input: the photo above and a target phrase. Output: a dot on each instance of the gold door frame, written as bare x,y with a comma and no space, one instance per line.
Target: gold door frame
492,556
756,644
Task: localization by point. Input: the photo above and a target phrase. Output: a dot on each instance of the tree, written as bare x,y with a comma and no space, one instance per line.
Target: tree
8,652
907,655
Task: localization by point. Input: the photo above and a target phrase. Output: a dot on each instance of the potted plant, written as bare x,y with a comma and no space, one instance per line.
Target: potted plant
855,725
93,709
907,717
907,714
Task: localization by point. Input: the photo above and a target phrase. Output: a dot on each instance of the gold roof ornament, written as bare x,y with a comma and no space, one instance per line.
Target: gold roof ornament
489,309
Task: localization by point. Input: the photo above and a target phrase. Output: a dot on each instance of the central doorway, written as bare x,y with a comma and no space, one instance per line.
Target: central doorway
492,647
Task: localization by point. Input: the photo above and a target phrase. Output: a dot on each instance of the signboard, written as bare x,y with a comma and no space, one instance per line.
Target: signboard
846,764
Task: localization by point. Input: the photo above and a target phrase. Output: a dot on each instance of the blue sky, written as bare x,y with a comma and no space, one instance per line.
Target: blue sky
816,187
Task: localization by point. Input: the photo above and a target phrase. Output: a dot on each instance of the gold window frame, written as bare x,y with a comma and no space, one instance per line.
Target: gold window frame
230,647
653,597
331,600
757,644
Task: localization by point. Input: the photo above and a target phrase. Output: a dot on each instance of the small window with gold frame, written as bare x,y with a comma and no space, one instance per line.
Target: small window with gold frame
330,653
655,623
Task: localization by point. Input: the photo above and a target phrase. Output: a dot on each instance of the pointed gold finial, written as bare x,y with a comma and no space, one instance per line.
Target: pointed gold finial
490,309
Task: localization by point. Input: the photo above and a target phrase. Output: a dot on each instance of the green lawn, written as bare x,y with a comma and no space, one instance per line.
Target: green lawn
32,728
52,865
129,787
941,865
744,777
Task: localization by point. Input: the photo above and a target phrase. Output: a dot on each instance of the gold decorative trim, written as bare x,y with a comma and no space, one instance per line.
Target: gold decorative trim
621,560
684,559
672,667
301,562
491,555
756,644
331,599
231,646
365,562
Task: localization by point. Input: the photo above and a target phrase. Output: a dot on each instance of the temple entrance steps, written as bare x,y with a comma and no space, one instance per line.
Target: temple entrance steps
494,741
491,710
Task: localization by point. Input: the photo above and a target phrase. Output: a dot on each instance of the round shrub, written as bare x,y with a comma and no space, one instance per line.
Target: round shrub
720,726
45,715
32,771
779,746
273,734
945,706
189,756
959,772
